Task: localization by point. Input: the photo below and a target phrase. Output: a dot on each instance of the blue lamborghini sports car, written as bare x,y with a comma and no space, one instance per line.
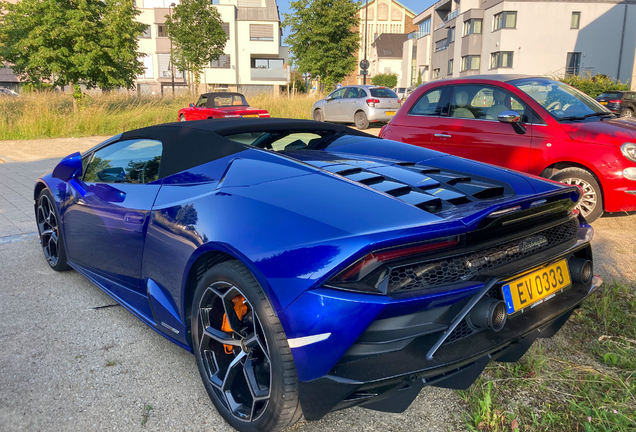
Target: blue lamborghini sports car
310,267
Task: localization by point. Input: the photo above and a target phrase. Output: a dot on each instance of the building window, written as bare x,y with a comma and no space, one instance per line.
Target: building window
262,32
573,63
472,26
470,62
146,33
425,27
148,68
165,67
441,45
502,59
505,20
223,62
451,35
226,29
268,63
435,73
450,67
161,30
575,21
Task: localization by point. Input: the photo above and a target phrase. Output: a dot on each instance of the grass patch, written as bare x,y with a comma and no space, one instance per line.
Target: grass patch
146,414
583,379
51,115
111,363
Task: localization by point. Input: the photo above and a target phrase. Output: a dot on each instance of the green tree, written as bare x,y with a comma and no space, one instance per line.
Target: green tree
64,42
594,85
322,39
385,80
419,79
197,37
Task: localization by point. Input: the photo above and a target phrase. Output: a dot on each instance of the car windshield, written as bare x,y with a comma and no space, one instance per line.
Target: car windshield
229,100
560,100
382,92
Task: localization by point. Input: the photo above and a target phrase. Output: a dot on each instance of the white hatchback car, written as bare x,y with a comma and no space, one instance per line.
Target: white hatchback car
360,104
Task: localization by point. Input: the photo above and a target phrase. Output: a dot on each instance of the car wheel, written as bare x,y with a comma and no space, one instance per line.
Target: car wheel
48,221
591,203
627,113
318,115
182,118
242,353
362,122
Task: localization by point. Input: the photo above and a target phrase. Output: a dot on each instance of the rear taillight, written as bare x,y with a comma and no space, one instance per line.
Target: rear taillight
615,101
362,274
372,102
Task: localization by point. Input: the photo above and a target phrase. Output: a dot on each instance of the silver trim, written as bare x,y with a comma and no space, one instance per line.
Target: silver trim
443,135
307,340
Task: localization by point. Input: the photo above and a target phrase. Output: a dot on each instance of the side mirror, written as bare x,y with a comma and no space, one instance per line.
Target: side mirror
191,105
69,167
513,118
328,98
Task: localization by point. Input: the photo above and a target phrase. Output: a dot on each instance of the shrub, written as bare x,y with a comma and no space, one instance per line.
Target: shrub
594,85
385,80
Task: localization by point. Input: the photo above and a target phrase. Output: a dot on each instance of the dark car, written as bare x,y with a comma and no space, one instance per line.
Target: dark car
529,124
622,103
311,267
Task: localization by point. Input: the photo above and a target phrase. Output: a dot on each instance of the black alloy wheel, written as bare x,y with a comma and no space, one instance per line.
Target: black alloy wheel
49,232
238,346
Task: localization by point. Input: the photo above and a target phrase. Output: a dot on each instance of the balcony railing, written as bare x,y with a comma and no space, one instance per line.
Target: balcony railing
449,17
418,34
264,74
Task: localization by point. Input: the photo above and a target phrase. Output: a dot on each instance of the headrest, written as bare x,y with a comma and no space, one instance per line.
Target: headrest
461,98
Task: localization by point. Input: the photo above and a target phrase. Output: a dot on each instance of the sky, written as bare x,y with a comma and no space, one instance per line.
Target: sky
416,6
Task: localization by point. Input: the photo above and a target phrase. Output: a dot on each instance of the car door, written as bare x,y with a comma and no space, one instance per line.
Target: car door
472,129
332,109
108,214
351,103
199,111
418,126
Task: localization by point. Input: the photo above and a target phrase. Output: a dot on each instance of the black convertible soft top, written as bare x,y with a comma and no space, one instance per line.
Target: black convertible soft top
189,144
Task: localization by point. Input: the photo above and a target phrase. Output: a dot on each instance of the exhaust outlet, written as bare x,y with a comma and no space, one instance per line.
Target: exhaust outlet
581,270
489,313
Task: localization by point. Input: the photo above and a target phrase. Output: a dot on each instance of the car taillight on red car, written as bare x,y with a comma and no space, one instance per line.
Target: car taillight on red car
372,102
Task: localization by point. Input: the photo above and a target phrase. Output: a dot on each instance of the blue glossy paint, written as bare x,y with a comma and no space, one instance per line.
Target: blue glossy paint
69,167
287,217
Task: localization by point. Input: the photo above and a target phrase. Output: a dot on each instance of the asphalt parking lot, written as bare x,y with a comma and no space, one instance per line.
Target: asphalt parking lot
70,359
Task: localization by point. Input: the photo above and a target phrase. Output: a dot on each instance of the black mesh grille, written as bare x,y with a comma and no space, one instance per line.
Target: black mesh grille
444,271
461,331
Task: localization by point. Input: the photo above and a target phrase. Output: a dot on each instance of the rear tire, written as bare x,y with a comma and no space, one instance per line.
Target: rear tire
627,112
361,120
318,116
591,203
48,221
244,359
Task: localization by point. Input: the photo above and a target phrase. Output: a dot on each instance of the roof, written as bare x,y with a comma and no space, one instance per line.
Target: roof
190,144
267,13
502,77
389,45
221,93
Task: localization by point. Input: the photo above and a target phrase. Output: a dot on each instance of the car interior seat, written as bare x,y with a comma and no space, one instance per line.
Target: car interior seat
461,101
493,112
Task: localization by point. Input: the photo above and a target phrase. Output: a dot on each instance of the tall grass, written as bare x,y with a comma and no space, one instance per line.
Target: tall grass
51,115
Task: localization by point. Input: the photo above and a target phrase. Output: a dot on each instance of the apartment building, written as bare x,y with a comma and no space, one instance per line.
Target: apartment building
546,37
253,59
386,54
379,17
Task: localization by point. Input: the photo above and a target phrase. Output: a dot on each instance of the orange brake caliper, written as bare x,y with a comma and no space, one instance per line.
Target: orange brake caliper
241,309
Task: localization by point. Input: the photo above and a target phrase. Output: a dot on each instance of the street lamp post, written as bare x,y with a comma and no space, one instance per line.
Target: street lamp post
171,63
366,32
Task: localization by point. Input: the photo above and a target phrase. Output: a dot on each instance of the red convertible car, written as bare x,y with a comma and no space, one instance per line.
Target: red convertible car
220,105
530,124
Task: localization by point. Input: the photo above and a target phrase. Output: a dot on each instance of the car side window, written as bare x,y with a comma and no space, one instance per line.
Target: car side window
131,161
354,93
202,101
338,94
432,103
363,93
485,103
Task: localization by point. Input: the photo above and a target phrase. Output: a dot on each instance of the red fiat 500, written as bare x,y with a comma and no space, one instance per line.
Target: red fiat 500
220,105
530,124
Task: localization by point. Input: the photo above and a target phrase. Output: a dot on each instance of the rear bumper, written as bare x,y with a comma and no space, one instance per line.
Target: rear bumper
380,114
391,381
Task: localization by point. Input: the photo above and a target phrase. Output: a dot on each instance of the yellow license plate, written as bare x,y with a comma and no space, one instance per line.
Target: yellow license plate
389,112
603,103
250,115
536,287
